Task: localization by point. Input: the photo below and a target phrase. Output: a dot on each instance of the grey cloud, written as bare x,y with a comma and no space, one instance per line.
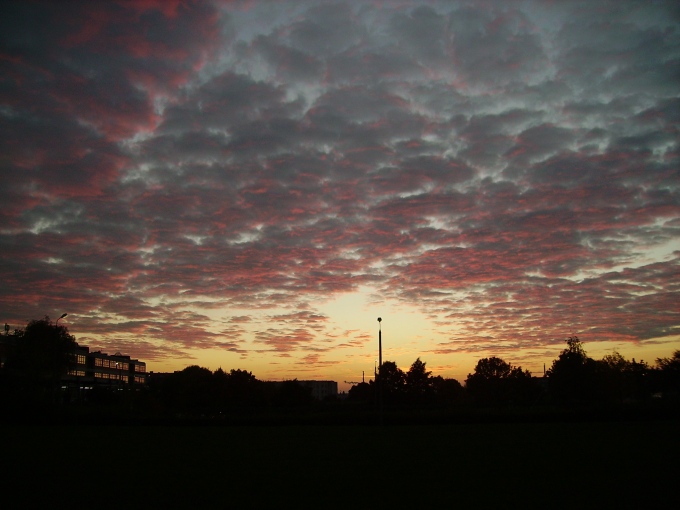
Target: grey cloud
290,64
538,142
367,66
327,29
363,104
422,33
495,48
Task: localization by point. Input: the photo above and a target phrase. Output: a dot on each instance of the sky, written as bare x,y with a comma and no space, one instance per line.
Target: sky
252,184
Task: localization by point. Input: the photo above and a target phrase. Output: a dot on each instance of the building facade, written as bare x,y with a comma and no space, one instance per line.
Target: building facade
321,389
101,369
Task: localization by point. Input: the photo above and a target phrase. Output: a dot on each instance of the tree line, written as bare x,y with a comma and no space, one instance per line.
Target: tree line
573,379
197,391
36,358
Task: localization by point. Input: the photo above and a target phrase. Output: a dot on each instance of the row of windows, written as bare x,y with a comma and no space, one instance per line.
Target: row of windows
106,363
115,377
140,368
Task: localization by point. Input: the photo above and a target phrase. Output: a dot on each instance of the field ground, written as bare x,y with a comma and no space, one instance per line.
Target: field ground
532,465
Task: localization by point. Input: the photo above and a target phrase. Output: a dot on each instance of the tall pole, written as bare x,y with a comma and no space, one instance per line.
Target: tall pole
379,343
62,316
379,377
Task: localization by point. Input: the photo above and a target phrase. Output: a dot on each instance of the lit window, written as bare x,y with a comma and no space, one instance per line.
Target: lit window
98,362
80,359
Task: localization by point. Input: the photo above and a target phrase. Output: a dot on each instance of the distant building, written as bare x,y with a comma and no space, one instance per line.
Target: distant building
100,370
318,389
105,369
321,389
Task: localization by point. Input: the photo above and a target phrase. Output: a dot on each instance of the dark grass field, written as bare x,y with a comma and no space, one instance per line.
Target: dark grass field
502,465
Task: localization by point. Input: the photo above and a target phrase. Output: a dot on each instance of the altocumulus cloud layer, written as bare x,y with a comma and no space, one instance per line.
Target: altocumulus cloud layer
193,175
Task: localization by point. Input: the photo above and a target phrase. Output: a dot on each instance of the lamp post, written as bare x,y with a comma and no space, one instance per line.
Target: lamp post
379,378
379,343
56,325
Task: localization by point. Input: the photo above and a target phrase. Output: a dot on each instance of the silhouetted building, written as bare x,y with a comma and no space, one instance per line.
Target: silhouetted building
317,389
321,389
101,369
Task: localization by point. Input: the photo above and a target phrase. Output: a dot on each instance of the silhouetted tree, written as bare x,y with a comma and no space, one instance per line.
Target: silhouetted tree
38,357
446,392
640,379
573,376
495,381
243,390
221,387
43,350
671,364
292,394
615,361
192,391
418,379
621,380
392,381
362,392
669,375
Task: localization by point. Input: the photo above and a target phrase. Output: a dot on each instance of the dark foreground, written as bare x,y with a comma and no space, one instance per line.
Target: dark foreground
620,464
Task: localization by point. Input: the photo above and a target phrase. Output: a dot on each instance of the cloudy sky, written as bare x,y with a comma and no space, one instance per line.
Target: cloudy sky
251,184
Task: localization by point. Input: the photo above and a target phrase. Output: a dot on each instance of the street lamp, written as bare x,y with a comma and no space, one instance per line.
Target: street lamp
62,316
379,378
379,342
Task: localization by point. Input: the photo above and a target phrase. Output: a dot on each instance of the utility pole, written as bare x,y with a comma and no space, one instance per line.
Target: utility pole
379,343
378,378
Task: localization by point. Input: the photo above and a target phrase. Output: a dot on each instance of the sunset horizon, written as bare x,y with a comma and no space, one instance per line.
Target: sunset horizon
250,185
